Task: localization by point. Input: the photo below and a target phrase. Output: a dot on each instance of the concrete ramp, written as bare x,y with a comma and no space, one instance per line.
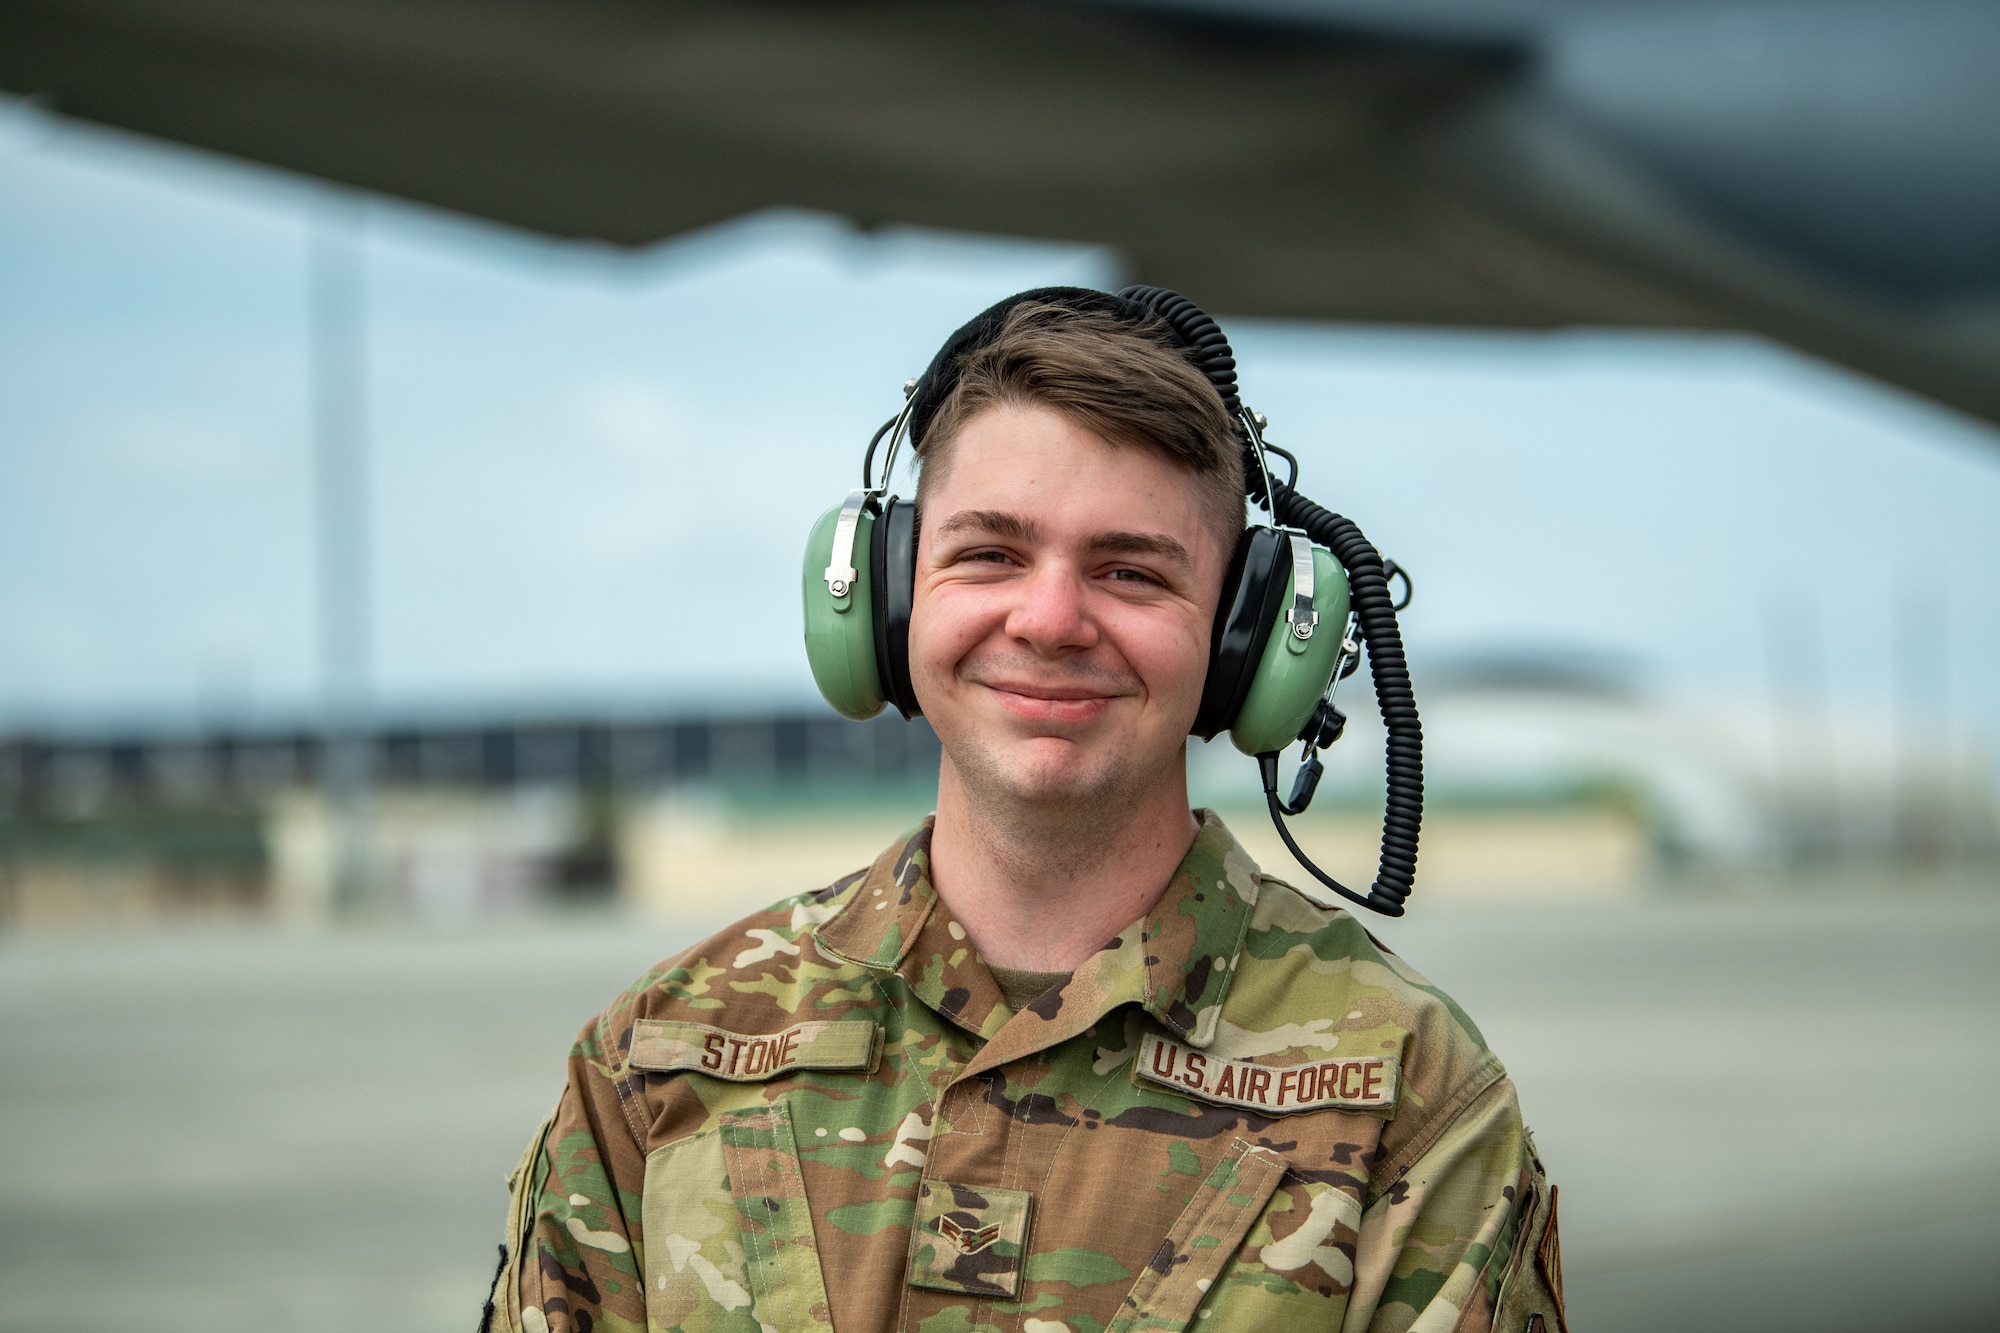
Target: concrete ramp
1762,1118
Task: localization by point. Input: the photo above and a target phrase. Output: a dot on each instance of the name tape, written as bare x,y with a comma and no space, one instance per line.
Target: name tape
1362,1082
664,1045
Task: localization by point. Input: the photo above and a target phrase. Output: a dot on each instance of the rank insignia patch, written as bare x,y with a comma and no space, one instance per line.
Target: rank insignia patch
969,1239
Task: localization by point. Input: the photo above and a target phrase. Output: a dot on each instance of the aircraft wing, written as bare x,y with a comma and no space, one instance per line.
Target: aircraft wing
1268,166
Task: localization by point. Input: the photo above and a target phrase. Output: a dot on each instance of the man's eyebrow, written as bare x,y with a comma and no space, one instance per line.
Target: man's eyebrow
1141,543
993,522
1013,527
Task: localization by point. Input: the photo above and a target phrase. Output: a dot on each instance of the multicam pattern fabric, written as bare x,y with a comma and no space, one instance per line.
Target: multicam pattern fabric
954,1166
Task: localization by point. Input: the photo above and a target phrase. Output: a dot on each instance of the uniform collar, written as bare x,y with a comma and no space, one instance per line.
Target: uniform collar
1176,962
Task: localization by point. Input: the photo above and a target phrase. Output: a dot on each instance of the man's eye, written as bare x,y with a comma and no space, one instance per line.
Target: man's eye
1132,576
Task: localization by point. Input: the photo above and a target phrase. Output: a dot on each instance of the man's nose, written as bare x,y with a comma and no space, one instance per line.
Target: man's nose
1053,613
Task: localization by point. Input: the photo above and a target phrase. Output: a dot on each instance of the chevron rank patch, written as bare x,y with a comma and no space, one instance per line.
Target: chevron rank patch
1360,1082
969,1239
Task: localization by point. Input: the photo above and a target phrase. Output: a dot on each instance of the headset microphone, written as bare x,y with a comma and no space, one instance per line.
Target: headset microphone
1274,662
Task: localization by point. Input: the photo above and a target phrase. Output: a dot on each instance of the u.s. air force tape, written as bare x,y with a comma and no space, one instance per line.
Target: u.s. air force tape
663,1045
1360,1082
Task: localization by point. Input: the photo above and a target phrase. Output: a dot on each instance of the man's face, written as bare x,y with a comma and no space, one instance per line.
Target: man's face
1065,589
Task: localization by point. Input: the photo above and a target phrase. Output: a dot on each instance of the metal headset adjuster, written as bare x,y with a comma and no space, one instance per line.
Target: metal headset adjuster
841,578
1302,616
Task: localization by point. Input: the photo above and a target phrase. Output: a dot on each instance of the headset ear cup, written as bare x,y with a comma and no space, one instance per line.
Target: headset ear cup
892,562
1292,673
1252,595
840,631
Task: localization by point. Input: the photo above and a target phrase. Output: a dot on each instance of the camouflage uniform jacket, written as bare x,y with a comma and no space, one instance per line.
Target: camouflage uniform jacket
1242,1113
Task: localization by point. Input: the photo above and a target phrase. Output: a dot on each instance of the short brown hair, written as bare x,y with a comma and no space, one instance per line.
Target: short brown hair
1122,379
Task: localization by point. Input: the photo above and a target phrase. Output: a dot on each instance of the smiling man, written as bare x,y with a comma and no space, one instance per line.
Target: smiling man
1063,1058
1065,595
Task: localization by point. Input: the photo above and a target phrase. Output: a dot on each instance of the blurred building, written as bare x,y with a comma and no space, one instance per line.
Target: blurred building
1558,777
465,819
1546,779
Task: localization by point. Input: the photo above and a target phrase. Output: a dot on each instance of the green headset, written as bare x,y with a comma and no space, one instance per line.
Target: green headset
1284,632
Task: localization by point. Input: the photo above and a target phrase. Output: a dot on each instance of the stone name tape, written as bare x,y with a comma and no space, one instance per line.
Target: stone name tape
661,1046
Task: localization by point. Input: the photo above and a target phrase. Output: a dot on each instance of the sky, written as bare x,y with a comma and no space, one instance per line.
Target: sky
591,472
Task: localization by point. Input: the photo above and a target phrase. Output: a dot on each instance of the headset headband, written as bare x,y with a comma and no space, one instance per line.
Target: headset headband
1189,327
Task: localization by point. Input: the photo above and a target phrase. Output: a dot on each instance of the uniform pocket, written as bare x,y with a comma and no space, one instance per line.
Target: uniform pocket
1531,1299
728,1230
524,1186
1204,1239
781,1256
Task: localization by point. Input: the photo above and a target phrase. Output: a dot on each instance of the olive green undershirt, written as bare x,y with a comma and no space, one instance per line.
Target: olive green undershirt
1018,987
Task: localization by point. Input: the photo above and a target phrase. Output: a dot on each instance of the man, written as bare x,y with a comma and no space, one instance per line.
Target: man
1062,1059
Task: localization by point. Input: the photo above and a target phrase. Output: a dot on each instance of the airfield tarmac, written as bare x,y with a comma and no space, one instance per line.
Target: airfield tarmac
1763,1117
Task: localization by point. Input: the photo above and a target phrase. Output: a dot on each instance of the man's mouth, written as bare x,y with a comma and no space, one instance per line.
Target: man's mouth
1039,702
1051,692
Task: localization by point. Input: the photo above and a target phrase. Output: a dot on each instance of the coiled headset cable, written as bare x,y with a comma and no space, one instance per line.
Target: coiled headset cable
1374,629
1377,632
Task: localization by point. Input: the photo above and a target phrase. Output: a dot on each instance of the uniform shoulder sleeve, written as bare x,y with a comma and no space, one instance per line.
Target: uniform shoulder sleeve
1457,1230
574,1255
1523,1282
572,1258
1314,963
1465,1238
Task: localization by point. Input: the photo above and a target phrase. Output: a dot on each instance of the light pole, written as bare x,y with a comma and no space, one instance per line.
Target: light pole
338,321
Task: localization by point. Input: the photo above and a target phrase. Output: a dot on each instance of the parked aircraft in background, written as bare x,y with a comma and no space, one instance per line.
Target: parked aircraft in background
1823,172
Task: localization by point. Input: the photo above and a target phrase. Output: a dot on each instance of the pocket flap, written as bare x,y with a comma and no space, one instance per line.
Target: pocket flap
1203,1240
